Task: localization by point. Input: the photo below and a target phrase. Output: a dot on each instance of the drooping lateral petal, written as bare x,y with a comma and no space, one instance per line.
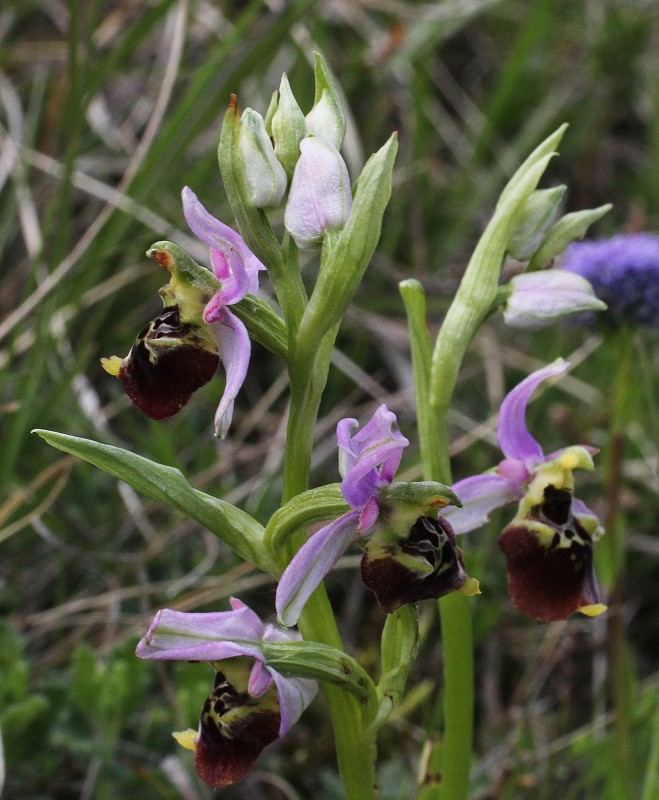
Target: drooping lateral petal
233,277
514,438
480,496
295,694
259,679
180,635
311,563
235,349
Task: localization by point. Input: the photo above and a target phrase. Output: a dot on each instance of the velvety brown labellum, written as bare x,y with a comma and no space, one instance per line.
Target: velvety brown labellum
234,729
168,362
389,571
550,581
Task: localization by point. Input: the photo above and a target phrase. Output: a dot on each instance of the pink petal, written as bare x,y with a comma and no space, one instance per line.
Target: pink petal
234,349
514,438
480,495
240,267
180,635
260,680
295,694
311,563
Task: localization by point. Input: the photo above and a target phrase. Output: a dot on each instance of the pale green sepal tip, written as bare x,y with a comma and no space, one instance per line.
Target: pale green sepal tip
424,495
184,268
534,218
288,127
568,229
269,114
545,148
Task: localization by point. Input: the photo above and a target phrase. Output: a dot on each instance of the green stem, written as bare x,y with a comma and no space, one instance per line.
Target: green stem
355,746
446,772
614,551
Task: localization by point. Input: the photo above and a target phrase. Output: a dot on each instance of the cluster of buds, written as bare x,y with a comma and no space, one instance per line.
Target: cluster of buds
542,294
288,150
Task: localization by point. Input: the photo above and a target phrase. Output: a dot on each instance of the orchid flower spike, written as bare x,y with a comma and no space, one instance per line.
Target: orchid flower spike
250,705
410,556
237,270
549,543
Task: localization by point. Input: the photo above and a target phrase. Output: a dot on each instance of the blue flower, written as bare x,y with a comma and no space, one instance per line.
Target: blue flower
624,272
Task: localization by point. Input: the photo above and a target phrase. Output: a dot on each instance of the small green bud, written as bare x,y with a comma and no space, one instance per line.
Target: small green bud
535,216
265,178
288,127
567,230
326,118
269,114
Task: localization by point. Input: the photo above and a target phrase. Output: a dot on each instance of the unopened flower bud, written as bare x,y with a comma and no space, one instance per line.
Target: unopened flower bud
320,198
288,127
539,298
536,215
265,178
326,118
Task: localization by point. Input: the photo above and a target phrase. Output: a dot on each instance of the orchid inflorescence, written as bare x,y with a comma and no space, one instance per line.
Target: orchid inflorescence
267,674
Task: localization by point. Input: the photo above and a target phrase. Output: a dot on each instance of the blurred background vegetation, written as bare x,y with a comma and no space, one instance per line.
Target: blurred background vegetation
106,110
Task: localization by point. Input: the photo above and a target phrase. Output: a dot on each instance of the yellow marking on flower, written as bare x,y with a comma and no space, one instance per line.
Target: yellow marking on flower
437,502
112,365
593,610
569,460
186,738
470,587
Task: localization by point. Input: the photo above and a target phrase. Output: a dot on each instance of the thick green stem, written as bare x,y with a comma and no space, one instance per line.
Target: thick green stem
355,747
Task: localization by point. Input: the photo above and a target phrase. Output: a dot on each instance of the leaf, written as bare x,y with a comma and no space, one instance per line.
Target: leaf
167,485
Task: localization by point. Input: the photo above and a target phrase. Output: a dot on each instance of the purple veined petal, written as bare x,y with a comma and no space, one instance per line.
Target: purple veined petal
202,637
234,348
260,679
480,495
311,563
295,694
514,438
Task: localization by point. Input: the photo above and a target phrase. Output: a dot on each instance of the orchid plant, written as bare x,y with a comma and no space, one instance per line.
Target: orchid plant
265,675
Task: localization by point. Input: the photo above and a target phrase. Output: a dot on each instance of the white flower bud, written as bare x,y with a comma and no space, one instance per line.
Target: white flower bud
288,127
535,217
320,198
539,298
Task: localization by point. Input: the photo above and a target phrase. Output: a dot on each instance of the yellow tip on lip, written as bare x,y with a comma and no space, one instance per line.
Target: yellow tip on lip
186,738
593,610
112,365
470,587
